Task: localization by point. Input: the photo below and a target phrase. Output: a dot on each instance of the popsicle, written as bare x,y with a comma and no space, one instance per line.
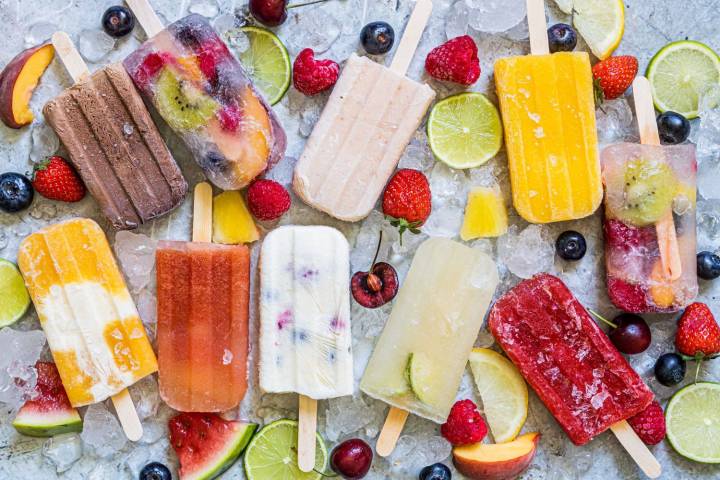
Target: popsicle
371,115
91,323
571,364
548,113
113,142
419,359
305,336
201,91
649,222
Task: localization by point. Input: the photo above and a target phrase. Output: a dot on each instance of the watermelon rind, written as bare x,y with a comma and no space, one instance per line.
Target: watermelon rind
224,458
36,423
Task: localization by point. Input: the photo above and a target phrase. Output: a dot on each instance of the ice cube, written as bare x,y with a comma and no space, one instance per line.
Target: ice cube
63,451
238,42
417,156
20,351
615,122
136,254
316,29
44,142
94,45
146,397
101,431
282,172
39,32
708,178
528,252
445,220
206,8
494,16
147,308
225,22
308,119
456,22
346,415
707,134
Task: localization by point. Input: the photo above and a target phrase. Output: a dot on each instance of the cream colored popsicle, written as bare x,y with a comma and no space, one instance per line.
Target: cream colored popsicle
367,123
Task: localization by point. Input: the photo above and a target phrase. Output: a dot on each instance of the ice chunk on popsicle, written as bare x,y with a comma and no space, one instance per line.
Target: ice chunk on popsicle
419,359
91,323
115,146
570,363
305,337
643,185
203,296
187,72
548,112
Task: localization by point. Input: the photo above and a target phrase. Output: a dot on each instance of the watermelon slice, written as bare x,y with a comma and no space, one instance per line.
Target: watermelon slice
50,412
206,444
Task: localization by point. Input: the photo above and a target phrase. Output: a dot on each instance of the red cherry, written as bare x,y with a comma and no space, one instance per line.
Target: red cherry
351,459
269,12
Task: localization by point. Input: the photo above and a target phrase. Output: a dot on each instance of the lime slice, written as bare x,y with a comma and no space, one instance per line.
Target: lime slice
266,60
693,422
423,374
679,73
503,391
464,130
272,454
14,300
601,24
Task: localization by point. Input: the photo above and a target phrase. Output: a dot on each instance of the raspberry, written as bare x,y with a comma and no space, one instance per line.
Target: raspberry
620,235
267,199
312,76
464,425
649,424
626,296
454,61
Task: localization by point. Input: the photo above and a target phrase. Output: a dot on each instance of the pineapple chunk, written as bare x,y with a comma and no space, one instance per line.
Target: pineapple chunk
232,222
485,214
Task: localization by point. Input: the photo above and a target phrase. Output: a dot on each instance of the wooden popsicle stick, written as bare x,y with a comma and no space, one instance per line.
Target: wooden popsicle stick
637,449
307,426
665,228
70,57
202,213
125,410
537,26
146,17
394,424
411,36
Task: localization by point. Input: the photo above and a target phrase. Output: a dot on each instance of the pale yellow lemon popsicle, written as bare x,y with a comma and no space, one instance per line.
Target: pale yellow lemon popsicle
91,323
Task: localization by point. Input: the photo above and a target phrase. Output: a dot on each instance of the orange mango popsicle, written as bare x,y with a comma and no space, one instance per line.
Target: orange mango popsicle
91,323
203,296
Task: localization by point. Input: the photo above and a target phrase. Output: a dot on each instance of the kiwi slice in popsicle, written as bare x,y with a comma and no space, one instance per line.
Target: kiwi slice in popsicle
183,106
649,189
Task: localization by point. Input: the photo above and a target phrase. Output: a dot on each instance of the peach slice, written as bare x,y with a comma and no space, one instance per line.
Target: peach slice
500,461
18,81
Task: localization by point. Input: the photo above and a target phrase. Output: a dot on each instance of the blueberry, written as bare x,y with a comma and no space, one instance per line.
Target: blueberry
708,265
377,38
118,21
670,369
673,128
571,245
155,471
16,192
562,38
437,471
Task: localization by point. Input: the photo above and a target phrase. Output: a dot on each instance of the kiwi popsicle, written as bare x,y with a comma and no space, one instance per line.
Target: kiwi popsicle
198,87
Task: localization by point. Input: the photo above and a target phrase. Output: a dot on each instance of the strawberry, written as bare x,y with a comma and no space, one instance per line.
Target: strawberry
267,199
627,296
150,67
613,76
56,179
454,61
626,237
407,201
649,424
698,333
464,425
312,76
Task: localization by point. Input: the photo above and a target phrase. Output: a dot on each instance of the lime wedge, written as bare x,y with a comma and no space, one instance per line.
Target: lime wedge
693,422
464,130
264,58
679,73
272,454
423,374
14,300
600,22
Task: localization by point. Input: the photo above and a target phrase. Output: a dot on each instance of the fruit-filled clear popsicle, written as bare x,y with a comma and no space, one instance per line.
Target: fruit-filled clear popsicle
198,87
91,323
113,142
548,112
368,121
571,364
649,223
419,359
305,336
202,310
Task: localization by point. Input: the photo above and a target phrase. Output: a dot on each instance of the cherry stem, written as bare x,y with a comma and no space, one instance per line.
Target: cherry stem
605,320
325,474
377,251
312,2
698,359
